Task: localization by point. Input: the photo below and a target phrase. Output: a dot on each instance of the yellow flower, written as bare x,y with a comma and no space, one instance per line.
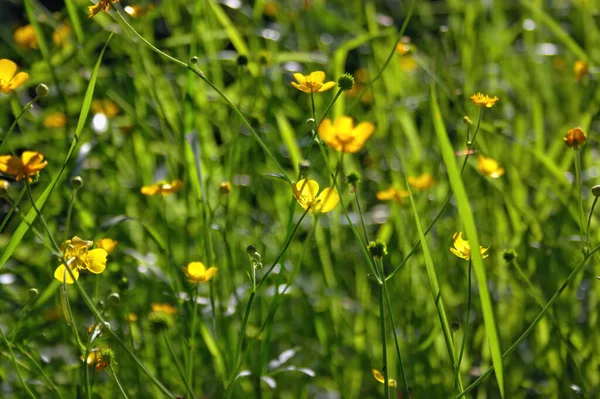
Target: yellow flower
25,37
343,136
101,5
392,194
462,249
271,9
61,34
581,69
137,11
198,273
107,244
162,188
312,83
225,187
8,80
422,182
106,107
489,167
575,137
78,256
55,120
380,377
483,100
163,308
403,48
306,192
27,165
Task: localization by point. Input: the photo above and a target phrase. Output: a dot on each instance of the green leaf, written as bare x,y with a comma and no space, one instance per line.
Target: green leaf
466,215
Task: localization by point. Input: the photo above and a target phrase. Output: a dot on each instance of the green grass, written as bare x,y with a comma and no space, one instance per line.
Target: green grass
307,315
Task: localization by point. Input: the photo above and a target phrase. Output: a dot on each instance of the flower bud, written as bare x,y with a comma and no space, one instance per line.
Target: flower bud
353,178
225,187
346,82
509,255
33,292
377,249
467,120
113,299
304,167
76,182
159,321
194,60
242,60
42,90
596,191
575,137
454,326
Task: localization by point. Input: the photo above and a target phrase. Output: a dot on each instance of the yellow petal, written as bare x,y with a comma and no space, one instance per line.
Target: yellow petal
317,76
386,195
299,78
196,269
306,190
328,199
363,131
300,87
326,86
61,273
107,244
381,378
211,272
459,254
10,165
326,130
18,80
95,260
343,125
7,69
150,190
459,243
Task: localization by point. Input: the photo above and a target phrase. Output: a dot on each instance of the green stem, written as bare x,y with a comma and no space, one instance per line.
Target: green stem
337,95
238,349
464,339
114,375
382,295
190,363
42,372
590,219
577,153
14,360
14,124
178,364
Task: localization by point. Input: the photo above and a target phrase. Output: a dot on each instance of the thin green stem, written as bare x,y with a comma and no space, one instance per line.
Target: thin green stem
178,364
114,375
69,212
14,124
13,208
467,323
382,295
190,363
337,95
42,372
589,221
577,153
17,369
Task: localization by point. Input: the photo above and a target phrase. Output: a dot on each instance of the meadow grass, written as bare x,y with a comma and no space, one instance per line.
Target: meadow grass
173,130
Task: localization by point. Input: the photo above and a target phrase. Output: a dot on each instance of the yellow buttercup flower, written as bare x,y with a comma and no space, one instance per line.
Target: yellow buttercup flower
55,120
164,308
78,256
163,188
106,107
581,69
489,167
27,165
343,136
25,37
422,182
101,5
462,249
483,100
61,35
381,378
198,273
107,244
8,80
312,83
392,194
306,192
575,137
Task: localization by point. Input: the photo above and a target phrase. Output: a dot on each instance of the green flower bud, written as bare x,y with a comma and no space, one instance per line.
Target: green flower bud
353,178
377,249
346,82
242,60
596,191
42,90
113,299
159,321
76,182
33,292
509,255
194,60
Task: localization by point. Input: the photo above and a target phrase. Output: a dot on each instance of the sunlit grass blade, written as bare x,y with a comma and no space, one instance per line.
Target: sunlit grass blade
466,215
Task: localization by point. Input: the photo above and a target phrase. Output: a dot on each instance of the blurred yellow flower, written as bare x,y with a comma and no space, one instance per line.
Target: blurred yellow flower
575,137
101,5
392,194
462,249
164,308
483,100
55,120
106,107
27,165
381,378
271,9
163,188
8,80
306,192
107,244
61,35
78,256
225,187
489,167
25,37
137,11
312,83
343,136
198,273
581,69
422,182
403,48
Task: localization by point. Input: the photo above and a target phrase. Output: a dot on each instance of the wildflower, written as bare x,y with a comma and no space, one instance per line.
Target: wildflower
225,187
27,165
379,377
137,11
101,5
107,244
106,107
489,167
61,35
131,317
422,182
306,191
483,100
78,256
392,194
163,308
403,48
462,249
198,273
104,359
25,37
343,136
163,188
312,83
8,80
581,69
575,137
55,120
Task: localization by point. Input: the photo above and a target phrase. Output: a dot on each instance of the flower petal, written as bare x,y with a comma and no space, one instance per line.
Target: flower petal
196,269
316,76
95,260
326,86
107,244
300,87
326,130
343,125
7,69
363,131
150,190
61,273
10,165
307,190
328,199
211,272
459,243
299,78
18,80
459,254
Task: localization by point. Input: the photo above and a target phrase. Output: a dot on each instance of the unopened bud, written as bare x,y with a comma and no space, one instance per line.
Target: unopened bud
42,90
33,292
467,120
242,60
377,249
113,299
304,167
346,82
596,191
194,60
76,182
